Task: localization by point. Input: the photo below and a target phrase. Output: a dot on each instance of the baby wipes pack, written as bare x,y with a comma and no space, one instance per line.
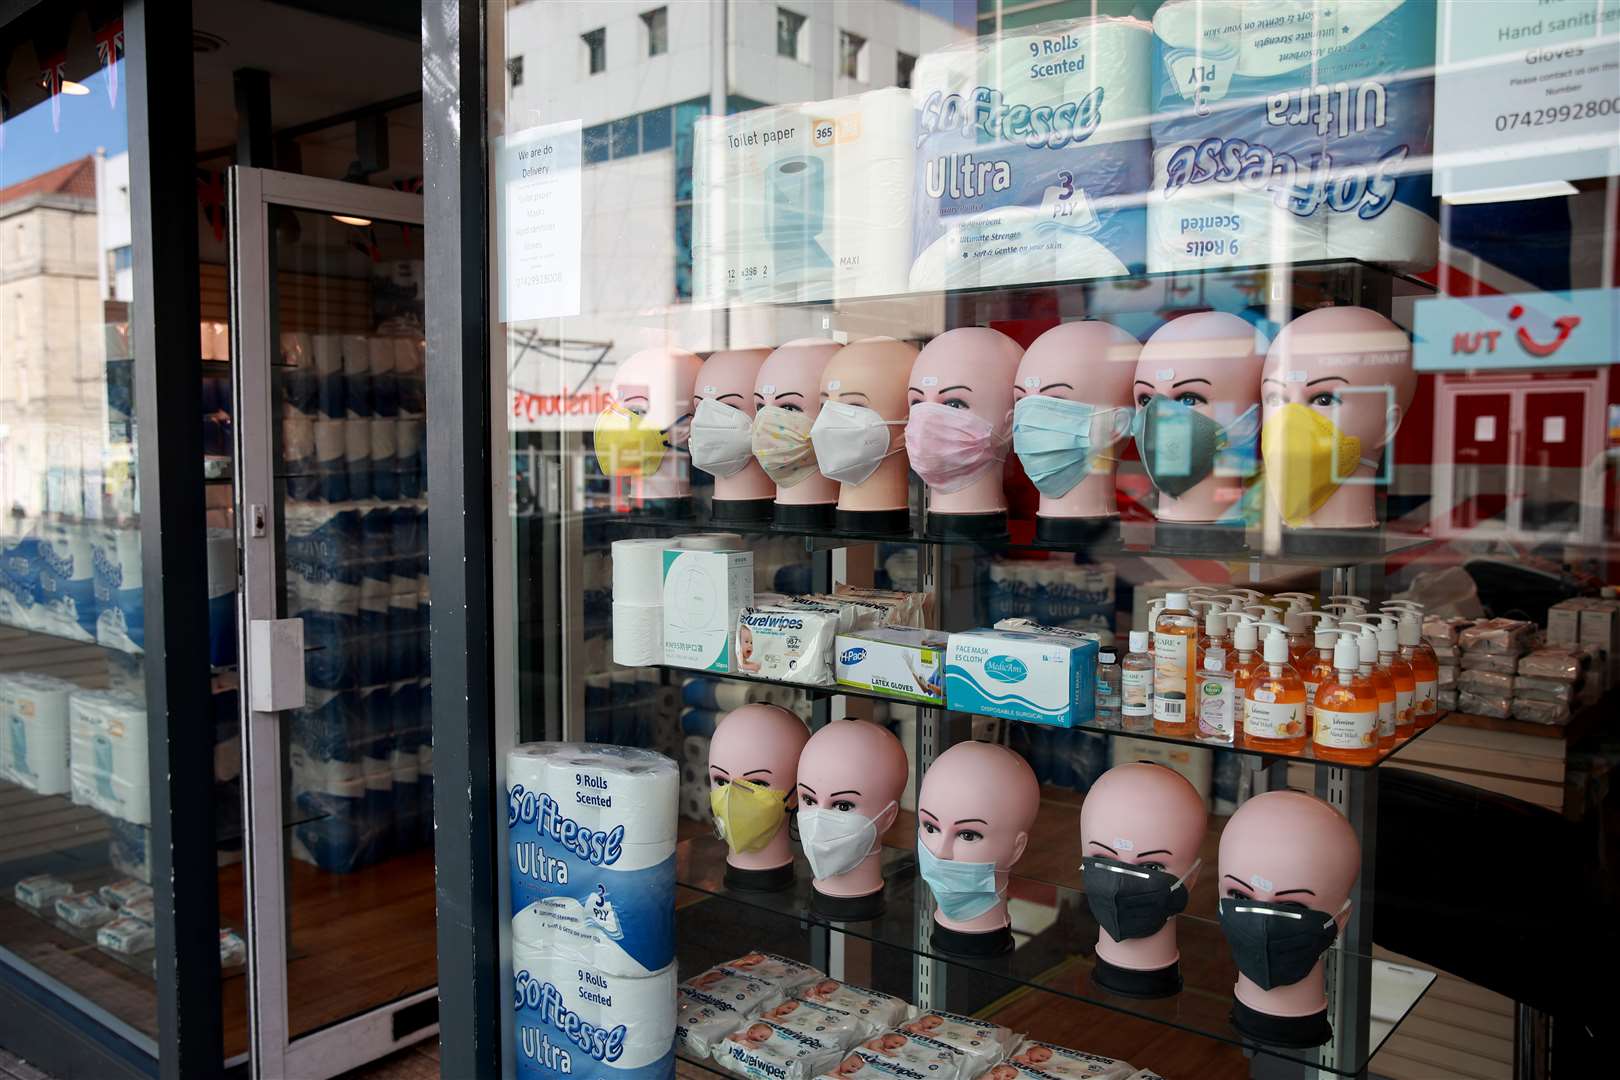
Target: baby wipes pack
1037,677
704,591
979,1039
901,661
877,1011
40,891
84,910
803,202
792,1041
710,1006
908,1056
1032,155
1292,129
1052,1061
790,642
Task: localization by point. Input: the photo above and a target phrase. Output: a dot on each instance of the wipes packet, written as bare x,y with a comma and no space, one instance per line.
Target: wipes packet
790,642
119,893
977,1038
40,891
784,974
768,1050
910,1056
878,1012
711,1006
125,935
83,910
1058,1061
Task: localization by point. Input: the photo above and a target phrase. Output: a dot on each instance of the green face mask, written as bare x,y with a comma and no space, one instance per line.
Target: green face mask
1181,447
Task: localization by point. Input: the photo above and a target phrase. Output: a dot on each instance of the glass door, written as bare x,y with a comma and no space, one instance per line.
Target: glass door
332,506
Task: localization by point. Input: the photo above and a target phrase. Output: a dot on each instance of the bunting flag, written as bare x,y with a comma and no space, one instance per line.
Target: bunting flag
411,185
51,77
366,243
211,196
110,50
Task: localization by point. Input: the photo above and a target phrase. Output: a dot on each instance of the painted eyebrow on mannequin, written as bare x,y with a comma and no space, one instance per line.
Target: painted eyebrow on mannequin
970,821
854,394
1155,851
1188,382
718,769
1055,385
790,393
807,787
1290,892
1143,382
751,772
734,394
847,791
1105,847
1328,378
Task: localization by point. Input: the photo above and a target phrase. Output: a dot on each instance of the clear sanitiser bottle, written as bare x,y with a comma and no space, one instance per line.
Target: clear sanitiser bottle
1175,668
1275,717
1136,685
1217,700
1108,687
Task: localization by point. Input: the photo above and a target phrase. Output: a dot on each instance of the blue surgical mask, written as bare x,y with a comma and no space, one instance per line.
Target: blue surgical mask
1052,437
963,890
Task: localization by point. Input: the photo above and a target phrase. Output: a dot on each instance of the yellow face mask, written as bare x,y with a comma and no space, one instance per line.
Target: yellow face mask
746,816
626,444
1307,457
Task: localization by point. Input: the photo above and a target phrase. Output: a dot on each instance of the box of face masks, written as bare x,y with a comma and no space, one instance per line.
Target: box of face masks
898,660
1040,678
703,593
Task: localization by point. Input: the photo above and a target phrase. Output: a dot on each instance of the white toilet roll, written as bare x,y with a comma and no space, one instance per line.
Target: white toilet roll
331,439
604,787
408,355
717,541
638,634
380,355
695,804
298,437
693,773
327,353
384,438
295,349
356,352
695,749
667,699
357,440
638,570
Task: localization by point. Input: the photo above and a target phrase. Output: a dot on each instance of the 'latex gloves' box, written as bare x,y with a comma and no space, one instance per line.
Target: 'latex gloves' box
703,593
1036,677
898,660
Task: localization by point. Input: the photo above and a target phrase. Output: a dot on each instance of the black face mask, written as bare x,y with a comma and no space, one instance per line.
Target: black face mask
1131,901
1275,944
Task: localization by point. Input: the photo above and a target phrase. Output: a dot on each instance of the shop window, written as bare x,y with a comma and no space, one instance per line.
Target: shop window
904,64
514,71
852,56
657,23
790,34
624,136
656,130
595,50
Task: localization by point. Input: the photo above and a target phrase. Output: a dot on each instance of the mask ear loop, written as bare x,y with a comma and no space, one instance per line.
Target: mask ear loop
1191,870
1123,423
1333,919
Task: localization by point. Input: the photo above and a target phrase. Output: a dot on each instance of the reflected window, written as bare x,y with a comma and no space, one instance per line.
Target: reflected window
657,23
851,56
595,50
904,64
514,70
790,34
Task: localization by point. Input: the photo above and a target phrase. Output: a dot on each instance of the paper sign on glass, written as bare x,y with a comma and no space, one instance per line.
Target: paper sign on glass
537,195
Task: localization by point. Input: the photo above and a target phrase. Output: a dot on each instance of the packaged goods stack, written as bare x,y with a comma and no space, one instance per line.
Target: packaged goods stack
1489,652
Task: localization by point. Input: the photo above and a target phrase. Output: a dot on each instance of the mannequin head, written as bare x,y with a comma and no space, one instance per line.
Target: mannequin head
977,804
1352,368
969,369
1209,361
853,766
1144,814
657,384
790,379
1289,847
728,377
759,746
873,373
1092,362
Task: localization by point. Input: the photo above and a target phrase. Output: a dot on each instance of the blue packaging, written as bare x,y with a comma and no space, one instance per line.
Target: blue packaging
1046,677
572,1020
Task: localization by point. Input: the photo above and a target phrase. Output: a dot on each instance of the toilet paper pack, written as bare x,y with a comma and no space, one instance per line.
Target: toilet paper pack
803,202
572,1019
34,727
703,592
115,553
1322,111
1032,155
65,583
107,754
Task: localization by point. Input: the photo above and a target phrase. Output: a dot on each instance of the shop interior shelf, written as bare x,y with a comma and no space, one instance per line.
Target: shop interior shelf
1130,540
1306,755
52,635
1055,935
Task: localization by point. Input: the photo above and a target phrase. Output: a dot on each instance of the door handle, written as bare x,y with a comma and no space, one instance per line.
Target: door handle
275,664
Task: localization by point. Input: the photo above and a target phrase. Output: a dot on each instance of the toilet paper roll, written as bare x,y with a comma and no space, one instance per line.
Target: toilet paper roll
298,439
638,634
331,439
356,353
384,435
295,349
620,922
380,355
692,773
722,695
695,750
718,541
327,353
606,787
638,570
568,1013
668,701
695,804
408,355
699,722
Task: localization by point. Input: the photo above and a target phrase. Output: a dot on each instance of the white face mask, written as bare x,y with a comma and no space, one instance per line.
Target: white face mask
851,441
720,440
835,841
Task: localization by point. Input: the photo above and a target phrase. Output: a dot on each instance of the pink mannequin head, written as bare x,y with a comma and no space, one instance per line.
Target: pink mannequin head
1093,362
873,373
1286,846
759,745
1353,367
1210,361
977,804
971,369
854,766
728,376
790,379
1140,813
657,383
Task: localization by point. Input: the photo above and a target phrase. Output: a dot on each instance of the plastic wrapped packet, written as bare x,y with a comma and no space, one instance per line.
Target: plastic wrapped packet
784,974
1057,1061
121,892
1500,663
827,1023
1446,699
1497,635
906,608
911,1056
84,910
40,891
1440,630
1144,1074
1446,675
767,1050
878,1011
1532,688
1551,663
140,908
710,1007
969,1035
1485,682
865,1064
232,949
1495,706
1540,712
126,936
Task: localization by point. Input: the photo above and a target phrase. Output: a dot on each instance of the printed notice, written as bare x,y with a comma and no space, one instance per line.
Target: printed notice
538,200
1526,91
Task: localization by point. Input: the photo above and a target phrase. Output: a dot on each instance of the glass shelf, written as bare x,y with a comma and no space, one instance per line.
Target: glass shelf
1131,539
1307,755
68,638
1055,935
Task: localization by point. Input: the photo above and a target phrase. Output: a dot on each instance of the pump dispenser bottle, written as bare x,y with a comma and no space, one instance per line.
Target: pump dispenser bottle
1275,718
1155,608
1214,635
1297,620
1217,700
1175,668
1400,672
1136,684
1421,656
1246,643
1346,713
1319,668
1367,639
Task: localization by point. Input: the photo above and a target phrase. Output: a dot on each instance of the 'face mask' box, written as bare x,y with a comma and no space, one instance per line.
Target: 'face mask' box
703,593
901,661
1035,677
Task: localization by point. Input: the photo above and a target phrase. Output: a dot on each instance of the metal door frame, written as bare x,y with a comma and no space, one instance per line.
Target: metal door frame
360,1039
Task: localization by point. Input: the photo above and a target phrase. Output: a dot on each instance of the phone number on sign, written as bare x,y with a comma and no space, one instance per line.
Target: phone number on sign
1559,114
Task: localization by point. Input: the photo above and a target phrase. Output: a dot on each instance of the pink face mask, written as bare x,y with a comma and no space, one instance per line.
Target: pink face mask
950,448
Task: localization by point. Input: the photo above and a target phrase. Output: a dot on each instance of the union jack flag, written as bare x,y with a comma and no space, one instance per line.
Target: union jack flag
110,50
51,77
